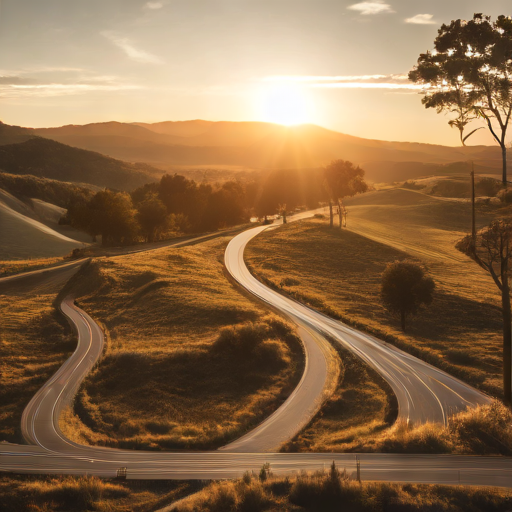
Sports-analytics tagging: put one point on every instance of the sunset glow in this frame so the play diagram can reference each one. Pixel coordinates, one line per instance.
(287, 104)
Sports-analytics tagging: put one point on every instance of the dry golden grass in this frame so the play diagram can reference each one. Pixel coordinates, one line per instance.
(339, 272)
(34, 342)
(10, 267)
(334, 491)
(190, 363)
(76, 494)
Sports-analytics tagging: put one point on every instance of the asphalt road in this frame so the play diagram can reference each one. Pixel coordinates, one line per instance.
(423, 393)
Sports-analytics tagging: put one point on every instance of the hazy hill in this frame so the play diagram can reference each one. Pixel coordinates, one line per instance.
(49, 159)
(258, 145)
(14, 134)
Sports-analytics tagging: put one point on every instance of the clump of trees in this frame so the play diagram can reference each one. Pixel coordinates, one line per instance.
(469, 74)
(406, 287)
(177, 204)
(491, 249)
(342, 179)
(109, 214)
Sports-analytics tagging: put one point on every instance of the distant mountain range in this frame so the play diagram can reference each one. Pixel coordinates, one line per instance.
(207, 144)
(257, 145)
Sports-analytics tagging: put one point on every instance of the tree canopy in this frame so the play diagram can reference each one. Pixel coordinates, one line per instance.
(469, 74)
(405, 288)
(344, 179)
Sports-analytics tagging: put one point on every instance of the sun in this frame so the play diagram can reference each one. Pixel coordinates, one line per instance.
(285, 104)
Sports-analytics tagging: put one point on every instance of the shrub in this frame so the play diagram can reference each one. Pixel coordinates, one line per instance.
(488, 187)
(505, 195)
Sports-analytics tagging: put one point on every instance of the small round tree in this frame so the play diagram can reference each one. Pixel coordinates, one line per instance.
(405, 288)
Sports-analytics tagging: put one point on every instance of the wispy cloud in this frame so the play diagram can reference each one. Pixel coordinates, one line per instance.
(133, 53)
(421, 19)
(390, 81)
(154, 6)
(369, 8)
(23, 86)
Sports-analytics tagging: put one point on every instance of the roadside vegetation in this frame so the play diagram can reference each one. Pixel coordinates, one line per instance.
(335, 490)
(36, 493)
(189, 362)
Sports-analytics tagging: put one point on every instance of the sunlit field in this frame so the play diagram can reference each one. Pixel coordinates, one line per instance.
(189, 363)
(339, 272)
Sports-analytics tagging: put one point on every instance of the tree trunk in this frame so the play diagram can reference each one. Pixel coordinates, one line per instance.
(340, 213)
(504, 158)
(284, 216)
(507, 343)
(402, 319)
(331, 214)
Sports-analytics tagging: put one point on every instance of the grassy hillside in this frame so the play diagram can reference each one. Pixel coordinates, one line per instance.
(23, 237)
(339, 272)
(190, 363)
(59, 193)
(49, 159)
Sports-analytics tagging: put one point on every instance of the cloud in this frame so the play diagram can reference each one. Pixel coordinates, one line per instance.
(368, 8)
(132, 52)
(27, 83)
(421, 19)
(390, 81)
(154, 5)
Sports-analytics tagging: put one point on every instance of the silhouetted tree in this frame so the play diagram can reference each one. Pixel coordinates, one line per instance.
(109, 214)
(469, 74)
(405, 288)
(226, 207)
(152, 217)
(492, 250)
(342, 179)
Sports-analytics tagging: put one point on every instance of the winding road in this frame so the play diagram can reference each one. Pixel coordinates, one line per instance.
(424, 394)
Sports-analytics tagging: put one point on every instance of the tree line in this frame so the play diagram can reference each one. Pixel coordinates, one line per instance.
(177, 204)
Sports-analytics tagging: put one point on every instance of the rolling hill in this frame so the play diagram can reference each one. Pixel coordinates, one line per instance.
(256, 145)
(32, 230)
(46, 158)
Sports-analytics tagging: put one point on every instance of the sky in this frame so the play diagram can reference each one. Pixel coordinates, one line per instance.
(341, 64)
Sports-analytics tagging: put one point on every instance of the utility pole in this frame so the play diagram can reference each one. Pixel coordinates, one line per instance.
(473, 216)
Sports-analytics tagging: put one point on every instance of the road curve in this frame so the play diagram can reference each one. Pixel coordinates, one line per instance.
(56, 455)
(424, 393)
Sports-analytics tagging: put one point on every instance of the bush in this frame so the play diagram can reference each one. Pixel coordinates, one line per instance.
(488, 187)
(485, 429)
(412, 185)
(505, 195)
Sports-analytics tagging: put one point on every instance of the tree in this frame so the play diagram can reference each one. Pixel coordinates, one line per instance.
(152, 216)
(492, 251)
(405, 288)
(109, 214)
(226, 207)
(342, 179)
(469, 74)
